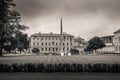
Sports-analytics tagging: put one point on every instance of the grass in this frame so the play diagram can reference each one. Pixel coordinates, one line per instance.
(80, 59)
(55, 63)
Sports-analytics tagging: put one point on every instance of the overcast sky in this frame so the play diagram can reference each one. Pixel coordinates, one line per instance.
(86, 18)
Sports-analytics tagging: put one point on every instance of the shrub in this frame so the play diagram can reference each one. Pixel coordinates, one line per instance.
(17, 67)
(5, 68)
(40, 68)
(35, 50)
(30, 67)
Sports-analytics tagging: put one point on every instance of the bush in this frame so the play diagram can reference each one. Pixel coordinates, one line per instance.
(30, 67)
(35, 50)
(5, 68)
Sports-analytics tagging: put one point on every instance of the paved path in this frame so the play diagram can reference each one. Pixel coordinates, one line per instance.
(59, 76)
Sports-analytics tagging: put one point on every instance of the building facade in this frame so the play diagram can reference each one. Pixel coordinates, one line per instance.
(110, 48)
(51, 43)
(116, 41)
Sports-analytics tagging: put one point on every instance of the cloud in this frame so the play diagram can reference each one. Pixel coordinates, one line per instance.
(44, 7)
(92, 17)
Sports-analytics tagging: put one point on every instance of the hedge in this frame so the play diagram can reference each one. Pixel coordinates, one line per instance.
(48, 68)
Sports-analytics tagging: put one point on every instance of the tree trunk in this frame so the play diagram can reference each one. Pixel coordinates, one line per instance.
(1, 46)
(1, 51)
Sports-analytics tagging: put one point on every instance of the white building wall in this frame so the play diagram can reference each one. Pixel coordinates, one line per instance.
(107, 49)
(117, 42)
(52, 44)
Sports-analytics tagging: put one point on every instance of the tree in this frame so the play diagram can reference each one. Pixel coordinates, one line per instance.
(22, 41)
(74, 51)
(9, 22)
(11, 45)
(94, 44)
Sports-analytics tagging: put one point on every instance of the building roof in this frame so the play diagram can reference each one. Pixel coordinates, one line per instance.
(118, 31)
(107, 36)
(49, 35)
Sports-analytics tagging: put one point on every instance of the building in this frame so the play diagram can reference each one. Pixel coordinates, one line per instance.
(108, 40)
(51, 43)
(116, 41)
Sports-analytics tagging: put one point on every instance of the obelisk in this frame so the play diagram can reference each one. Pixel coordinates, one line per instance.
(61, 33)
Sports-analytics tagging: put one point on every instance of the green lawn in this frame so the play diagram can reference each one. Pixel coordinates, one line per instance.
(62, 59)
(60, 76)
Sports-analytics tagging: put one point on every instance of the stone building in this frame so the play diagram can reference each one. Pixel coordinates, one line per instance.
(51, 43)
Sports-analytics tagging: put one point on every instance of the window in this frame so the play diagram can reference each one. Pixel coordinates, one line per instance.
(67, 44)
(63, 49)
(33, 38)
(46, 49)
(116, 49)
(56, 44)
(49, 44)
(52, 38)
(38, 44)
(110, 40)
(67, 38)
(42, 49)
(42, 44)
(49, 49)
(56, 49)
(46, 44)
(67, 49)
(45, 38)
(53, 49)
(37, 38)
(70, 39)
(56, 38)
(60, 49)
(33, 43)
(64, 38)
(52, 43)
(63, 44)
